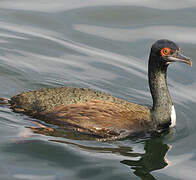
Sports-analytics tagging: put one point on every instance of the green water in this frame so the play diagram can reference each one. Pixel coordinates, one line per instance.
(102, 45)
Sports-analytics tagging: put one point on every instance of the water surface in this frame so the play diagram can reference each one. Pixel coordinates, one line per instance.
(104, 46)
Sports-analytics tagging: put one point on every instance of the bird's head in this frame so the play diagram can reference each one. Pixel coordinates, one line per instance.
(168, 52)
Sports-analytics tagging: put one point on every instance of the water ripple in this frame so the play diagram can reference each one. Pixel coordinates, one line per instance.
(60, 5)
(176, 33)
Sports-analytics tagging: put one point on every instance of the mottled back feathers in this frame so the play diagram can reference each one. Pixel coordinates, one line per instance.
(84, 110)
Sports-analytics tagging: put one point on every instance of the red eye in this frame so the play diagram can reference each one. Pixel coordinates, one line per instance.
(165, 51)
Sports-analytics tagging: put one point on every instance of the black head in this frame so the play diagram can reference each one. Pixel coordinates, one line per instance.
(167, 51)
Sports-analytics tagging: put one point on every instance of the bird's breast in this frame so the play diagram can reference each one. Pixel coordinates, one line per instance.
(173, 117)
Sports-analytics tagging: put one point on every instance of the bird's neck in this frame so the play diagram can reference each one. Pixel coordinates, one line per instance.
(162, 103)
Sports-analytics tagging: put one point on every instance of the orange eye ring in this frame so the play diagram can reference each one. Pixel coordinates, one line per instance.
(165, 51)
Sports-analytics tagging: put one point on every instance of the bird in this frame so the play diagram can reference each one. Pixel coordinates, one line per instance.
(102, 115)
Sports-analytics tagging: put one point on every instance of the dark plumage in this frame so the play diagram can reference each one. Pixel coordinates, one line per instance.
(100, 114)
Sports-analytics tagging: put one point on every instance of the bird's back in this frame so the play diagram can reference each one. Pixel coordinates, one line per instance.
(84, 110)
(47, 98)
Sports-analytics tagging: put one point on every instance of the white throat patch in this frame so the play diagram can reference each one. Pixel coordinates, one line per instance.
(173, 117)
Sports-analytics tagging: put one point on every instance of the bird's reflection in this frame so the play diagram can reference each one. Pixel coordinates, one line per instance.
(154, 157)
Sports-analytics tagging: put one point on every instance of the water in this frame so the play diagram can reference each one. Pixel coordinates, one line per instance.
(102, 45)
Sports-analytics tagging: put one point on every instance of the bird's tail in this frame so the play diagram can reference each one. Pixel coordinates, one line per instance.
(4, 101)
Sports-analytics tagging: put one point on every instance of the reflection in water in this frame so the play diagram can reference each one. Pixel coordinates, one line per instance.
(153, 158)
